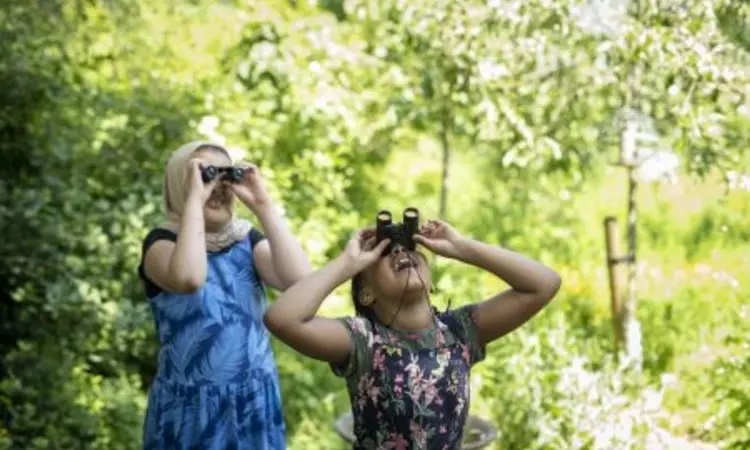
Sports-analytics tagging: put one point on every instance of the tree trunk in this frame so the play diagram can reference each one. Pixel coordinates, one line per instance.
(628, 321)
(445, 147)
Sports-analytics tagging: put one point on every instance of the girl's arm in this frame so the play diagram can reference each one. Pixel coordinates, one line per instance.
(292, 318)
(532, 284)
(280, 258)
(181, 266)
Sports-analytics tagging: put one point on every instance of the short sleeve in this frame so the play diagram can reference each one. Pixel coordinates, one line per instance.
(255, 237)
(155, 235)
(360, 358)
(464, 319)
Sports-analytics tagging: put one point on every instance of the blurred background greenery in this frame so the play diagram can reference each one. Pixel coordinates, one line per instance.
(352, 105)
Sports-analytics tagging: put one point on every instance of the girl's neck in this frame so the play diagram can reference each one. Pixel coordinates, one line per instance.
(411, 317)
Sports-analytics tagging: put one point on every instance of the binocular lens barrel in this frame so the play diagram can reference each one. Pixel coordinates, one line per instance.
(208, 173)
(383, 221)
(385, 218)
(236, 174)
(411, 225)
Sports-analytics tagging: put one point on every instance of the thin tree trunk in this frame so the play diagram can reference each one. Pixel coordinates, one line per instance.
(445, 147)
(628, 321)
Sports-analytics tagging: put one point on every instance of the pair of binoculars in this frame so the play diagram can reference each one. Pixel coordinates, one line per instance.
(233, 174)
(400, 234)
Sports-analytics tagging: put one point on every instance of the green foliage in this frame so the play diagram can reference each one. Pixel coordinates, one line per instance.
(348, 107)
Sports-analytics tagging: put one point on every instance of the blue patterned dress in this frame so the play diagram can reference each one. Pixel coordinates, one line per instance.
(216, 386)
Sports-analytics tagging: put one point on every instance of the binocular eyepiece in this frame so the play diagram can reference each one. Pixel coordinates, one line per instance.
(233, 174)
(400, 234)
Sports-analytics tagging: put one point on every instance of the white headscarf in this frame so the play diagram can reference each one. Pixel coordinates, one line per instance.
(175, 192)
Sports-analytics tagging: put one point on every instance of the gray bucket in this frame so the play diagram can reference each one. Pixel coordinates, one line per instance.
(478, 434)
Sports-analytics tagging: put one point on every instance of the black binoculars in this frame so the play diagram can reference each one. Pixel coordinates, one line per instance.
(400, 234)
(233, 174)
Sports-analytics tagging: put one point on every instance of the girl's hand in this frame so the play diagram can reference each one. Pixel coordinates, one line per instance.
(440, 238)
(361, 251)
(196, 186)
(251, 190)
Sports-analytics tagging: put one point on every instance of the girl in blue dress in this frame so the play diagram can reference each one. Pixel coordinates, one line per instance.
(407, 366)
(205, 272)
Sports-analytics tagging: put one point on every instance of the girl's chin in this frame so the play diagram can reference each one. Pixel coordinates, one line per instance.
(412, 284)
(217, 218)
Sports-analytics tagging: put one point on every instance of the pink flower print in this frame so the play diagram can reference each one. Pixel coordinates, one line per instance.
(443, 429)
(398, 389)
(418, 434)
(379, 359)
(440, 338)
(367, 391)
(430, 394)
(465, 354)
(396, 442)
(415, 387)
(440, 400)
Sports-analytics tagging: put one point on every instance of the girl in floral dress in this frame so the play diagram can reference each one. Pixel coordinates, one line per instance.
(407, 366)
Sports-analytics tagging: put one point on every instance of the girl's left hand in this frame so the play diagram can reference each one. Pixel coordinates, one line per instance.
(440, 238)
(251, 190)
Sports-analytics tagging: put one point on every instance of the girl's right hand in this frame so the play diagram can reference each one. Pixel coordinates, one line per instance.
(362, 251)
(196, 185)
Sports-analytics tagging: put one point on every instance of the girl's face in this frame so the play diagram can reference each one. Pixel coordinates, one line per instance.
(400, 275)
(219, 208)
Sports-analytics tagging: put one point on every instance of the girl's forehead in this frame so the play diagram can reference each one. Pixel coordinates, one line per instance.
(213, 156)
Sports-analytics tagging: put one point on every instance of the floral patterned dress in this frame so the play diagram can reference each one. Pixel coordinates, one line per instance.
(410, 390)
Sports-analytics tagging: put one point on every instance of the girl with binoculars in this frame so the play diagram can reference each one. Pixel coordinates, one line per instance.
(205, 273)
(406, 365)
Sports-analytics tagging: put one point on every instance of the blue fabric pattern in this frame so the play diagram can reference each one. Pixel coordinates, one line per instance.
(216, 386)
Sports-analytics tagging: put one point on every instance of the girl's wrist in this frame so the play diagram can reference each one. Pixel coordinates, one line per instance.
(463, 249)
(346, 266)
(263, 211)
(194, 202)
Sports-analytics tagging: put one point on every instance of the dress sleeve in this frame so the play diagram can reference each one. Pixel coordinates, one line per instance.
(360, 358)
(256, 236)
(464, 319)
(151, 238)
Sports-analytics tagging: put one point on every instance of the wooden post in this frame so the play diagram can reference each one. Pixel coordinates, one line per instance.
(615, 279)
